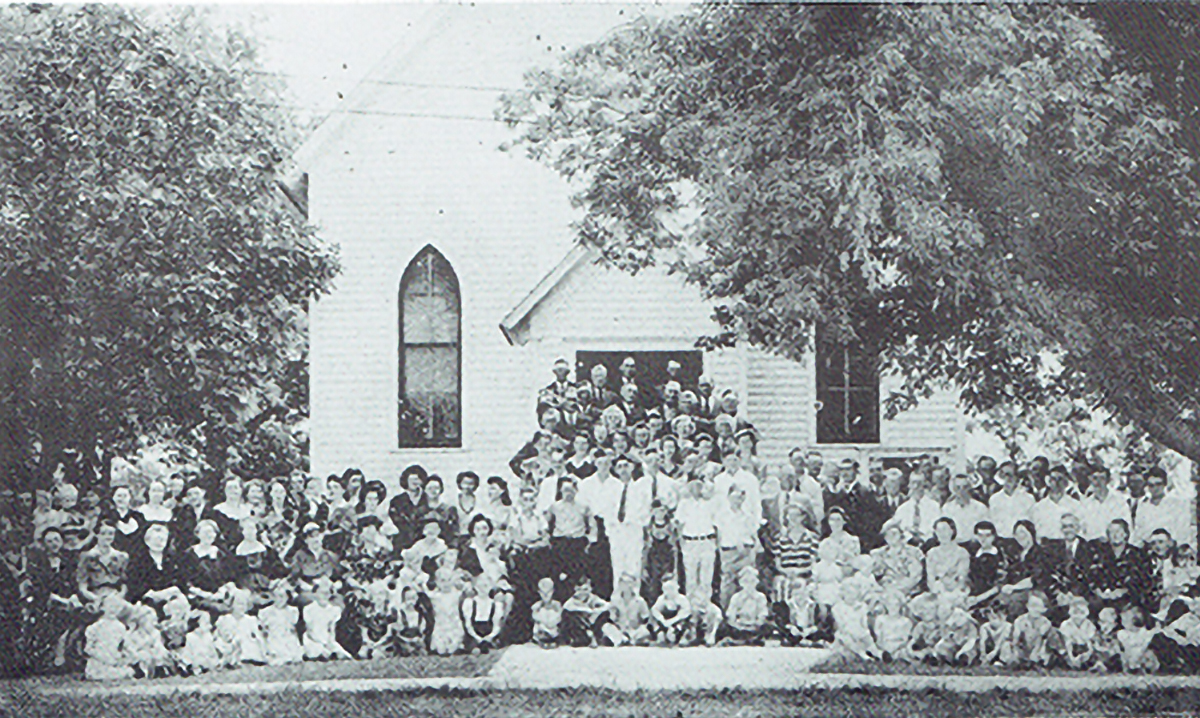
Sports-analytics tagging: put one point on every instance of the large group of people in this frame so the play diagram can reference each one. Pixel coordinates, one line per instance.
(635, 515)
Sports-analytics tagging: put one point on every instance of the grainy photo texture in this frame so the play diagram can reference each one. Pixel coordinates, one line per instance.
(596, 359)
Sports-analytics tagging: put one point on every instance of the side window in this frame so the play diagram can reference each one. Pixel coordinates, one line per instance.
(430, 356)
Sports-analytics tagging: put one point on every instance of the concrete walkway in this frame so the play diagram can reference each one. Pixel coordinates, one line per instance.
(624, 669)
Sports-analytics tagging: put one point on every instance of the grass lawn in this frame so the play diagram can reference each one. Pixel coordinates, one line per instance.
(413, 667)
(853, 664)
(596, 703)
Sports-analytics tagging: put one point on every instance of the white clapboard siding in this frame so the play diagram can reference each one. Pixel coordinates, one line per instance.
(779, 403)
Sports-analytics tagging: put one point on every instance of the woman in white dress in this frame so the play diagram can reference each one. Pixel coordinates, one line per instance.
(835, 556)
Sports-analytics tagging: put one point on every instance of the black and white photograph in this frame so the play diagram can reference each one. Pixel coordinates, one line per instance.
(594, 359)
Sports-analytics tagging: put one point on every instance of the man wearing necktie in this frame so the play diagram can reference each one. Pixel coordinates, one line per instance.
(626, 535)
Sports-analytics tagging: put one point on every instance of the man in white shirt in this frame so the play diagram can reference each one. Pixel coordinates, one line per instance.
(1102, 506)
(696, 518)
(661, 487)
(601, 492)
(737, 538)
(626, 532)
(1011, 503)
(806, 483)
(963, 509)
(733, 474)
(1162, 509)
(1048, 513)
(918, 514)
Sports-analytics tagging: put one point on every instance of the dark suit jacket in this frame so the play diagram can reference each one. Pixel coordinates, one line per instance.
(1069, 572)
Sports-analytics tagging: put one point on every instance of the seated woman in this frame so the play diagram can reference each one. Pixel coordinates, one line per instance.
(1120, 574)
(312, 562)
(54, 606)
(898, 566)
(102, 569)
(204, 567)
(230, 513)
(946, 567)
(1028, 570)
(253, 565)
(129, 523)
(835, 556)
(152, 573)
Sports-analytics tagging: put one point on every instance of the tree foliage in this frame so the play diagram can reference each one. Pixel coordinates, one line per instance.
(153, 282)
(971, 188)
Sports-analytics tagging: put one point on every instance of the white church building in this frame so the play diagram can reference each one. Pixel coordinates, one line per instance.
(462, 281)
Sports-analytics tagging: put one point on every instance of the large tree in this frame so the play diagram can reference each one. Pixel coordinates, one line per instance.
(971, 189)
(153, 278)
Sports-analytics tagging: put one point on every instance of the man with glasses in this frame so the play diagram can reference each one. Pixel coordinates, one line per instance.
(1162, 509)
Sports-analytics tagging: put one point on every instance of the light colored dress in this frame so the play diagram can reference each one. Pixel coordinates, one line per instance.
(448, 631)
(145, 649)
(105, 647)
(246, 635)
(319, 622)
(279, 634)
(828, 573)
(200, 651)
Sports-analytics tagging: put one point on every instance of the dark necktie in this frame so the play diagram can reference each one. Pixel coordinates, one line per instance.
(621, 508)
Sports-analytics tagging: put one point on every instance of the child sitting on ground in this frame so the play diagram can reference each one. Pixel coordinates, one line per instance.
(278, 622)
(1035, 641)
(1107, 643)
(995, 637)
(746, 619)
(174, 626)
(320, 617)
(199, 654)
(547, 615)
(670, 614)
(893, 630)
(796, 610)
(407, 635)
(375, 620)
(446, 601)
(144, 644)
(707, 619)
(242, 629)
(851, 610)
(104, 642)
(959, 636)
(926, 630)
(1078, 635)
(1134, 637)
(629, 614)
(481, 615)
(584, 616)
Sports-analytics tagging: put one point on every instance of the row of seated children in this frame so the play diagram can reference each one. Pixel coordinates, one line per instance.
(586, 619)
(953, 637)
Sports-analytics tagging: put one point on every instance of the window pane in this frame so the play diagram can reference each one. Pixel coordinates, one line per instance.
(831, 418)
(430, 319)
(863, 417)
(429, 411)
(430, 370)
(862, 367)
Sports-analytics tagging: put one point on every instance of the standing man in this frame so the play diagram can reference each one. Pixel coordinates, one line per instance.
(1162, 509)
(696, 518)
(965, 510)
(626, 532)
(1102, 506)
(555, 394)
(604, 396)
(737, 537)
(1011, 503)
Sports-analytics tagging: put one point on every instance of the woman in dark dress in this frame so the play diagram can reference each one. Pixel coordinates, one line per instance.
(57, 613)
(129, 523)
(253, 564)
(204, 566)
(406, 509)
(152, 572)
(1029, 569)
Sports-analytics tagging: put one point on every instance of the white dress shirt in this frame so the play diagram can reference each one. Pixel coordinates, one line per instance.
(919, 516)
(747, 481)
(1007, 509)
(1173, 514)
(1097, 515)
(736, 529)
(965, 517)
(696, 517)
(602, 495)
(1048, 513)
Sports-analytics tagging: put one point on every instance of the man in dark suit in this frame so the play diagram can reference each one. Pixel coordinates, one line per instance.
(1070, 559)
(875, 508)
(554, 395)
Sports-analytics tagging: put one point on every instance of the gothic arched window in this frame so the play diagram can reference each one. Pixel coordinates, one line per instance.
(430, 362)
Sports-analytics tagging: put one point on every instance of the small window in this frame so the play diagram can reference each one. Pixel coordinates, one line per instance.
(847, 392)
(430, 361)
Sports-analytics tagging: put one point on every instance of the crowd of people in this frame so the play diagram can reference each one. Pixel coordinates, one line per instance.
(635, 515)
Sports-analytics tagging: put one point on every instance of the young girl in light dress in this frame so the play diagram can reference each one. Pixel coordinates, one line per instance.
(104, 642)
(200, 654)
(855, 594)
(446, 597)
(144, 644)
(320, 618)
(278, 622)
(893, 629)
(1136, 656)
(241, 630)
